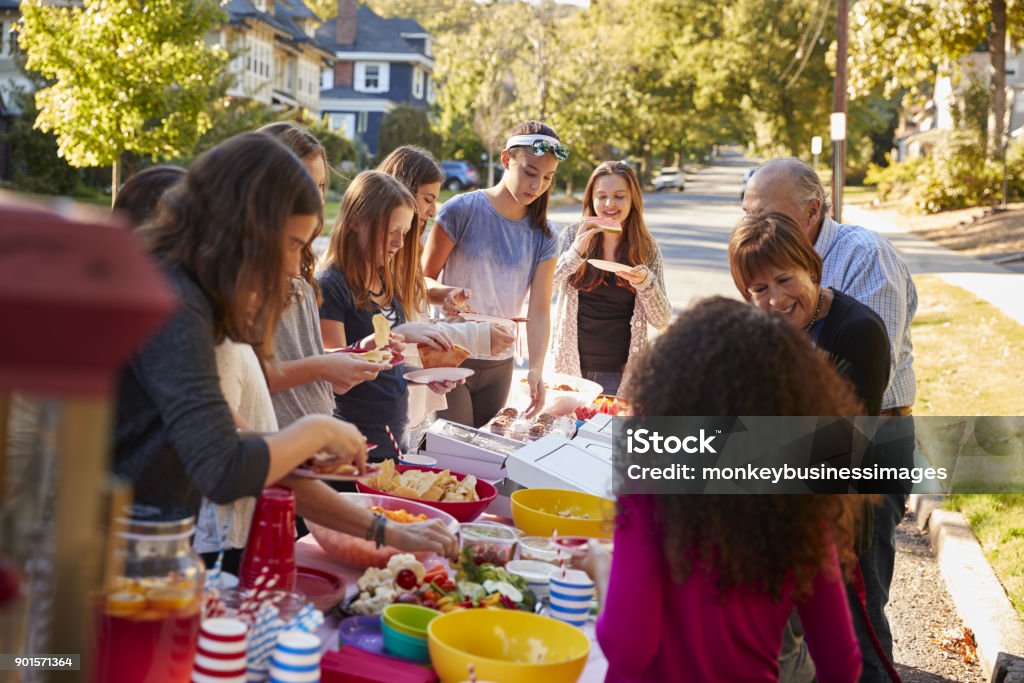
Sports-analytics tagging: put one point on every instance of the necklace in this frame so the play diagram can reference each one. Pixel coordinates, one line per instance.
(380, 281)
(817, 310)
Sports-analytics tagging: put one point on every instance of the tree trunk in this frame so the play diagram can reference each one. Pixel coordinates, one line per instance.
(997, 81)
(115, 179)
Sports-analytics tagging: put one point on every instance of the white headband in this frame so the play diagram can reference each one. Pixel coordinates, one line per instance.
(521, 140)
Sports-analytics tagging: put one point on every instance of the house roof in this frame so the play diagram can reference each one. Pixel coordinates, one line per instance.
(10, 4)
(373, 34)
(287, 14)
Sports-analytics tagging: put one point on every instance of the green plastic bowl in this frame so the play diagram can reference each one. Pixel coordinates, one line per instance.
(409, 619)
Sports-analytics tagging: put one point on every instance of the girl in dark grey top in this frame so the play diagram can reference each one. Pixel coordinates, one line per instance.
(229, 236)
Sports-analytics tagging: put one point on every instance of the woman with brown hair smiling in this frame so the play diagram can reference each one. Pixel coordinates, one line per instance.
(775, 267)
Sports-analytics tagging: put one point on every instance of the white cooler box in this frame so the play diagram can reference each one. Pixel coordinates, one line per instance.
(555, 462)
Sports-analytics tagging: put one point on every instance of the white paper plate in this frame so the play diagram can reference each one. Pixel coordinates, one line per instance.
(428, 375)
(484, 318)
(610, 266)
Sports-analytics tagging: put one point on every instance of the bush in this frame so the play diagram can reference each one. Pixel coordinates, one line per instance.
(35, 166)
(406, 125)
(894, 181)
(957, 175)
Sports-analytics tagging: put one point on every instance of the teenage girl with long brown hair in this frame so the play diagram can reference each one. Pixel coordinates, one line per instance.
(601, 317)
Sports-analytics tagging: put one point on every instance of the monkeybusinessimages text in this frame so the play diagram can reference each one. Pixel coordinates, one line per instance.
(645, 441)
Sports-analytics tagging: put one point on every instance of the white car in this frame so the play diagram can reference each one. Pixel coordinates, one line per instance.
(669, 178)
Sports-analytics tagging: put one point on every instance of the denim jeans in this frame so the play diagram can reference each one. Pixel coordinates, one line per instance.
(877, 561)
(609, 380)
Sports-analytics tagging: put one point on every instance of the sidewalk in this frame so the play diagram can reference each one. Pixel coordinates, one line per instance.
(977, 593)
(997, 285)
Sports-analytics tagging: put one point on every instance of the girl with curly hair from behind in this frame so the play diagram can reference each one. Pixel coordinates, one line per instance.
(702, 587)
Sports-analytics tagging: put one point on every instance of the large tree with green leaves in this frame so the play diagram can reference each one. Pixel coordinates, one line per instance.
(903, 44)
(124, 76)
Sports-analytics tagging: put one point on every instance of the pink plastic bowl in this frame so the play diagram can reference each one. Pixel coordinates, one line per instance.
(463, 512)
(360, 553)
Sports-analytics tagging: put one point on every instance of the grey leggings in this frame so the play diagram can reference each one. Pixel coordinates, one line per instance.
(482, 396)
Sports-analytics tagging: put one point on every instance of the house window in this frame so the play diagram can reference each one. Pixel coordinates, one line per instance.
(361, 122)
(431, 95)
(8, 39)
(371, 76)
(1012, 66)
(417, 83)
(344, 124)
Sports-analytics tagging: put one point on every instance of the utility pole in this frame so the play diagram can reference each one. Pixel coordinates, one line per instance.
(838, 120)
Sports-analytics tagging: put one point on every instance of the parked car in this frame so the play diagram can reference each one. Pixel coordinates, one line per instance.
(459, 175)
(746, 179)
(669, 178)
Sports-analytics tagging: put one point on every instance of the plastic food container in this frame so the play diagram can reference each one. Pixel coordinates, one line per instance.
(539, 548)
(491, 543)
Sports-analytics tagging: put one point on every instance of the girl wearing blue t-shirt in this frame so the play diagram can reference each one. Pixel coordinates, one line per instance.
(360, 275)
(498, 244)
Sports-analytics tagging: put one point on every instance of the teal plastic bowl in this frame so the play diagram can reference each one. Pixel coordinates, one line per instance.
(410, 620)
(404, 646)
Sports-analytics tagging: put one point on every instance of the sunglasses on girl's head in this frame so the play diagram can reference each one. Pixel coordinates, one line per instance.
(542, 147)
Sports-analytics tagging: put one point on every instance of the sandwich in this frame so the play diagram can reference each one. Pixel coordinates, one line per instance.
(436, 358)
(327, 463)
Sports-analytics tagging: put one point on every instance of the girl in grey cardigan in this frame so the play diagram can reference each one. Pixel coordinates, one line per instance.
(601, 317)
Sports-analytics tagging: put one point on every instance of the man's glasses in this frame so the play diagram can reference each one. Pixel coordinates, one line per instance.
(542, 147)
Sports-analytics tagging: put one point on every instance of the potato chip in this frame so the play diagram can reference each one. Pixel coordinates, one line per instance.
(423, 484)
(381, 331)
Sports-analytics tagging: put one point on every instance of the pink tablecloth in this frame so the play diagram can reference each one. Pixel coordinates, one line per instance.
(309, 554)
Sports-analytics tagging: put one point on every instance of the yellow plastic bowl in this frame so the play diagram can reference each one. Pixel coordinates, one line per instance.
(506, 645)
(535, 511)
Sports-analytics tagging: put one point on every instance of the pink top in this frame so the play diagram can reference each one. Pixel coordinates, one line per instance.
(652, 629)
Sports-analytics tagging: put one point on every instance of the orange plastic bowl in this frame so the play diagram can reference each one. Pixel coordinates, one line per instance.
(462, 511)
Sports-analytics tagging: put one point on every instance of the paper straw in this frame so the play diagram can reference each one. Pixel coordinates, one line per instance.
(309, 619)
(472, 673)
(393, 441)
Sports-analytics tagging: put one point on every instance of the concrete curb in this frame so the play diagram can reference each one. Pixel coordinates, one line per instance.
(976, 592)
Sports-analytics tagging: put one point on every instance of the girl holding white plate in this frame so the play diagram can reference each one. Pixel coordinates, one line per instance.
(610, 282)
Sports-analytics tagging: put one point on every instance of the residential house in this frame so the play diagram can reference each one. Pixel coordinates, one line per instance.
(379, 64)
(276, 57)
(924, 127)
(278, 60)
(12, 78)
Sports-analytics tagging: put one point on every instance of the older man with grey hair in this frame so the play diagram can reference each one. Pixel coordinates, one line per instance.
(864, 265)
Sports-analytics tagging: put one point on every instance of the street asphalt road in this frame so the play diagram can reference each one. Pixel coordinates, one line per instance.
(692, 227)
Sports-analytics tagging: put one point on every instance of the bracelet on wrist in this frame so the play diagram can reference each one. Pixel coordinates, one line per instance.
(379, 540)
(371, 532)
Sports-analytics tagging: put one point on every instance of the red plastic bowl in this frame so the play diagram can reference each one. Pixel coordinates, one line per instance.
(462, 511)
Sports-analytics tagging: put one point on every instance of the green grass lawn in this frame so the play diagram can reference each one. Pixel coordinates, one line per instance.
(969, 360)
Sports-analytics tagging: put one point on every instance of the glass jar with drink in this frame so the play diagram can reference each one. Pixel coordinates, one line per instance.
(147, 618)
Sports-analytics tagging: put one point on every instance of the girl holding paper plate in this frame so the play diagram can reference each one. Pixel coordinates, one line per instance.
(499, 244)
(370, 281)
(610, 282)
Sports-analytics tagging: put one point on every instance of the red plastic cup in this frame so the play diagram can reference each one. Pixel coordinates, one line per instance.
(271, 543)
